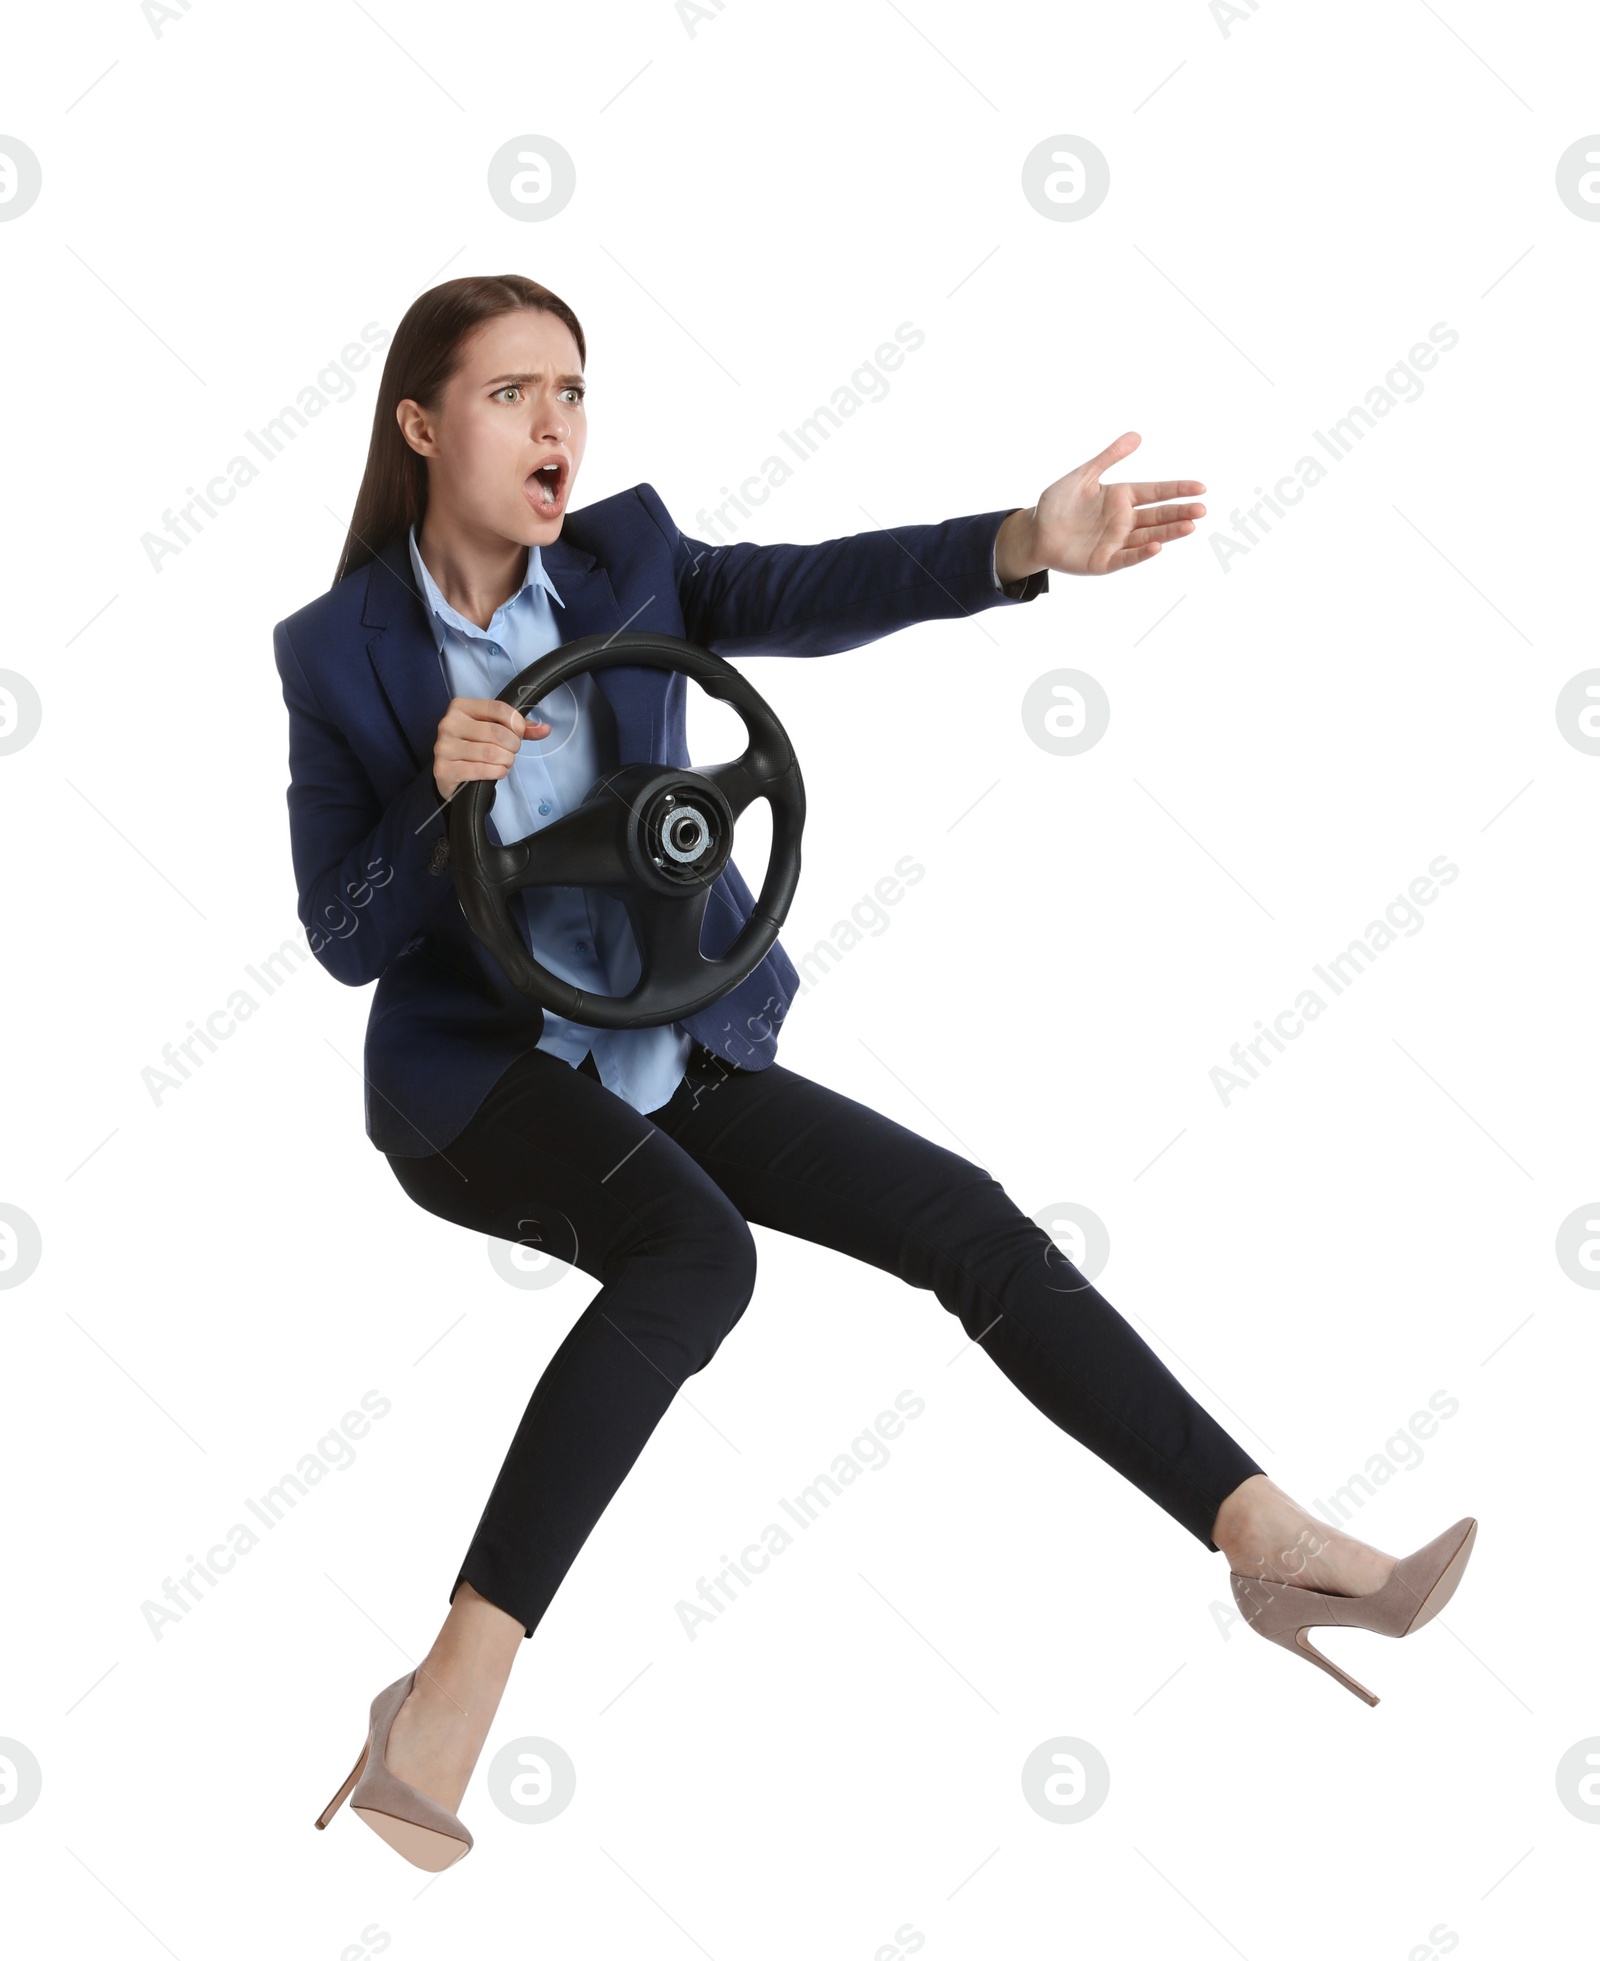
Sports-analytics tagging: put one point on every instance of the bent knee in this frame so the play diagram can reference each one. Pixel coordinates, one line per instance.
(728, 1247)
(722, 1279)
(706, 1254)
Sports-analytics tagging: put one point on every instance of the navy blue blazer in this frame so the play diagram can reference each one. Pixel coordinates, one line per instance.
(365, 692)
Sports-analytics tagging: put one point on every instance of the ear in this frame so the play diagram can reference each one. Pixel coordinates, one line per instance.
(416, 427)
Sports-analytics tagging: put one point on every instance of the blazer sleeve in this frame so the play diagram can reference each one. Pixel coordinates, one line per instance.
(365, 871)
(821, 599)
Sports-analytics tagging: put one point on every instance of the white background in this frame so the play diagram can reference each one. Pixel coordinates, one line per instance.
(833, 1767)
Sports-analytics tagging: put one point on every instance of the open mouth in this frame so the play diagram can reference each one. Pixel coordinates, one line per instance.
(546, 487)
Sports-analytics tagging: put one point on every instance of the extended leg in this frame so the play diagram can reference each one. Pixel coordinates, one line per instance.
(803, 1159)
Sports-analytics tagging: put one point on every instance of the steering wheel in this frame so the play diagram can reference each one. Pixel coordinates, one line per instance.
(655, 835)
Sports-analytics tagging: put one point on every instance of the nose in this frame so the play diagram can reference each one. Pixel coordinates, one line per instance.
(548, 419)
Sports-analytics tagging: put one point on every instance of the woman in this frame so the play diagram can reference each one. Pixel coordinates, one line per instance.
(645, 1155)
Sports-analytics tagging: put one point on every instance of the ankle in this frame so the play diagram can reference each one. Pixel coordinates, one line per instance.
(1258, 1525)
(430, 1734)
(441, 1696)
(1280, 1549)
(1264, 1532)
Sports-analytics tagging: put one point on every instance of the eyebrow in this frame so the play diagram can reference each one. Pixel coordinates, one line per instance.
(566, 380)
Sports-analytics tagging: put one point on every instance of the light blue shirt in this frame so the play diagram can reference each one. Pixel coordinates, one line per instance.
(578, 932)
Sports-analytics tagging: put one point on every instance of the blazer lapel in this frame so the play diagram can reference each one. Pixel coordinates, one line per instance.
(406, 661)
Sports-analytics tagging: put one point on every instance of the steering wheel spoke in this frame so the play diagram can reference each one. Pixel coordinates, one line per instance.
(743, 780)
(667, 928)
(586, 847)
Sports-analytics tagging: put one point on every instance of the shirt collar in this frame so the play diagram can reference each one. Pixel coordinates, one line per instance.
(444, 614)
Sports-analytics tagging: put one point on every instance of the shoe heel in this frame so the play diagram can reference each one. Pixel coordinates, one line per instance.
(343, 1791)
(1302, 1642)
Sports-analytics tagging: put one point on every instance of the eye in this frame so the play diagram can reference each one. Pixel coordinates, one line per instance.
(511, 388)
(575, 390)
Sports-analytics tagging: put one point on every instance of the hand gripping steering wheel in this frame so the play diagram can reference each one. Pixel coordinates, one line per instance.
(655, 835)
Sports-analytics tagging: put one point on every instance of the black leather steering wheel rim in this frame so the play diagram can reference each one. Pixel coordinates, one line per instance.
(655, 834)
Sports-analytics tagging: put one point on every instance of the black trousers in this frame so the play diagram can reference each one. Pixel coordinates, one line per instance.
(659, 1207)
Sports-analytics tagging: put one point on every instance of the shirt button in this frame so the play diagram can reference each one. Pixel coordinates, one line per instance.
(544, 810)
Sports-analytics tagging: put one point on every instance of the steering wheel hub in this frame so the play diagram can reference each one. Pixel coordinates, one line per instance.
(688, 830)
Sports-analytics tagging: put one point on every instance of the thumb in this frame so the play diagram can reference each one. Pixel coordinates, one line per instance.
(1124, 445)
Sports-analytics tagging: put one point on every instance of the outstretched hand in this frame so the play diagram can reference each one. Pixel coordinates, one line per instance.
(1083, 525)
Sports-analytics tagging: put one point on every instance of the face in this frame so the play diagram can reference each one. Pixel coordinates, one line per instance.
(507, 436)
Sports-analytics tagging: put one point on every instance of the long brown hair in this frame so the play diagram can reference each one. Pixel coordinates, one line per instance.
(422, 357)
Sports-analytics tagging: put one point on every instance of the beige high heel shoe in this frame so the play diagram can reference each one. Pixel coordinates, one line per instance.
(1419, 1586)
(418, 1827)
